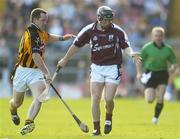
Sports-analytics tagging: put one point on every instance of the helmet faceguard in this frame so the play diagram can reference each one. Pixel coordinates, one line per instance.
(105, 12)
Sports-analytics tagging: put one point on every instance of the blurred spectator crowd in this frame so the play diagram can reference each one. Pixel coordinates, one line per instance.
(136, 17)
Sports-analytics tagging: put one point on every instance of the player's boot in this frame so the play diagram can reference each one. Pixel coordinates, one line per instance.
(15, 118)
(155, 120)
(96, 132)
(107, 126)
(28, 127)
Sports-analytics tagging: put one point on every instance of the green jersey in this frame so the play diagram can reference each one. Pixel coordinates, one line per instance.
(155, 58)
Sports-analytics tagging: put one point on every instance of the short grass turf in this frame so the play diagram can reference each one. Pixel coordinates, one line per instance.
(131, 120)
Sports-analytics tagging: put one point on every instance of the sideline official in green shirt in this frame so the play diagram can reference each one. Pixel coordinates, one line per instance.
(156, 55)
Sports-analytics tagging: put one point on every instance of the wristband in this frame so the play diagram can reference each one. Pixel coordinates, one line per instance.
(61, 38)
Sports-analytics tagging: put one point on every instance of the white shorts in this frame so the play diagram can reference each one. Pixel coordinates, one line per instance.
(105, 74)
(26, 76)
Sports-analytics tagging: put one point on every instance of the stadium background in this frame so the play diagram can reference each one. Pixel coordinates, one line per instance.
(136, 17)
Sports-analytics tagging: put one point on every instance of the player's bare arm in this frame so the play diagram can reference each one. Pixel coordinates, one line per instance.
(135, 55)
(53, 37)
(139, 69)
(72, 50)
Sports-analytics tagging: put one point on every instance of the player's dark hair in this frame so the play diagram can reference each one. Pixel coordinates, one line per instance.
(36, 13)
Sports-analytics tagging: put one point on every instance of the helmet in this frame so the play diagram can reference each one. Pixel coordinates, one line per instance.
(105, 12)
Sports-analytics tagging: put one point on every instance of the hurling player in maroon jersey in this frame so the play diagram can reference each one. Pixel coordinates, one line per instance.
(107, 40)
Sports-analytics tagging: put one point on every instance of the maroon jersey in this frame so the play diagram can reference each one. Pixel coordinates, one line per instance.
(105, 45)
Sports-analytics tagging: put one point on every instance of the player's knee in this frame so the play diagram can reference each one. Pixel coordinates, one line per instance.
(150, 100)
(160, 100)
(96, 99)
(108, 100)
(37, 102)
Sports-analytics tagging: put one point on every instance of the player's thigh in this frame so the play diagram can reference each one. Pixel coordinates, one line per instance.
(149, 94)
(110, 91)
(37, 88)
(96, 89)
(160, 92)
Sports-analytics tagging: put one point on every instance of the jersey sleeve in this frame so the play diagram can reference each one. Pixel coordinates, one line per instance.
(34, 41)
(124, 43)
(82, 38)
(46, 37)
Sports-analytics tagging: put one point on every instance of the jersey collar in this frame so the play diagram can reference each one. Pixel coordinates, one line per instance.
(34, 25)
(162, 45)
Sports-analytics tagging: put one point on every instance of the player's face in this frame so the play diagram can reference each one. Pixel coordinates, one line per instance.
(105, 23)
(42, 21)
(157, 37)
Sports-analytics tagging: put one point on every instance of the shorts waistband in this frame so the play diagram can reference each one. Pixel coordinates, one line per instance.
(28, 67)
(20, 66)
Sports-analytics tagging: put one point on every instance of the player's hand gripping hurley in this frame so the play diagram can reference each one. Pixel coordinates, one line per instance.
(44, 96)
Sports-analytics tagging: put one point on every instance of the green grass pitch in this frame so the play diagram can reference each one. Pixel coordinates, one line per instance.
(131, 120)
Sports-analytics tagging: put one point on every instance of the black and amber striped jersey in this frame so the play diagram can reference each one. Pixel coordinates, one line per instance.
(32, 41)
